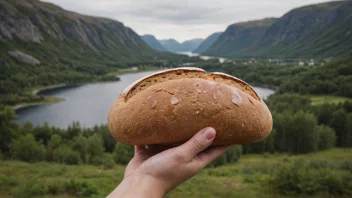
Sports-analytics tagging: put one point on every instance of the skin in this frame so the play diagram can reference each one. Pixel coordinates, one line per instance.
(155, 171)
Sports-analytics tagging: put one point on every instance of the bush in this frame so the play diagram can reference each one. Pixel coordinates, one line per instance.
(72, 158)
(30, 189)
(78, 188)
(106, 160)
(305, 177)
(54, 188)
(27, 149)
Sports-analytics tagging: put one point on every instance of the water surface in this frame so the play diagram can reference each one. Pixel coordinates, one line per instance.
(89, 104)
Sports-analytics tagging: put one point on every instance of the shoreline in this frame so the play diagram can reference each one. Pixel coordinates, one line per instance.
(53, 99)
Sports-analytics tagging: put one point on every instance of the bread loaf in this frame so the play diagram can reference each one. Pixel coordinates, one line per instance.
(170, 106)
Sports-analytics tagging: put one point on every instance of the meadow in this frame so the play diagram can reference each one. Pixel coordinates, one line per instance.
(252, 176)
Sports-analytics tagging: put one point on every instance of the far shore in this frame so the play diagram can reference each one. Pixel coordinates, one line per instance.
(52, 99)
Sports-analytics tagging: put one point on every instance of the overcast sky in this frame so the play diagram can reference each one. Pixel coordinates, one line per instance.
(181, 19)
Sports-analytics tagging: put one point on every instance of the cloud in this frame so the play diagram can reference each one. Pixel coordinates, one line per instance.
(182, 19)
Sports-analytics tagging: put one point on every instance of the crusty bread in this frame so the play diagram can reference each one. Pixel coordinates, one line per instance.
(170, 106)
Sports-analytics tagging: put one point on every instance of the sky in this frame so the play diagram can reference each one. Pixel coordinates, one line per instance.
(181, 19)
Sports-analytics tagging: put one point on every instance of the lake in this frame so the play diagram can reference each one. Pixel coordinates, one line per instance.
(89, 104)
(191, 54)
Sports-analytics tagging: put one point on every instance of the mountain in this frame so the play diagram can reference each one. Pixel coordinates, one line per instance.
(239, 36)
(208, 42)
(191, 45)
(43, 44)
(320, 30)
(171, 45)
(174, 46)
(153, 42)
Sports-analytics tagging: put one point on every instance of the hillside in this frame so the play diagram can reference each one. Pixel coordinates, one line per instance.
(239, 36)
(334, 78)
(208, 42)
(320, 30)
(153, 43)
(42, 44)
(186, 46)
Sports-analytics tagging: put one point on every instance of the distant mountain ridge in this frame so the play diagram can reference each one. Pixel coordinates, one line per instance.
(319, 30)
(153, 43)
(239, 36)
(208, 42)
(174, 46)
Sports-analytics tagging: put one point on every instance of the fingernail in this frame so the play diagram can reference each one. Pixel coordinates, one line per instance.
(209, 133)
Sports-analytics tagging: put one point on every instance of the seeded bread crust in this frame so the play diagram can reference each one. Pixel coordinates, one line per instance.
(169, 107)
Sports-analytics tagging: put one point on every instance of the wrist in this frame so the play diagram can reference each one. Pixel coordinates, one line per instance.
(141, 186)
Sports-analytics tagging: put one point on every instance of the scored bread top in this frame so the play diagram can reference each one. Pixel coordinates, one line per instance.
(188, 72)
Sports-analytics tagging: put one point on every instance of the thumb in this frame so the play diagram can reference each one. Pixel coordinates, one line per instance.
(199, 142)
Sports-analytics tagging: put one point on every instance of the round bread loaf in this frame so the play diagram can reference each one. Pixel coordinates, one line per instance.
(170, 106)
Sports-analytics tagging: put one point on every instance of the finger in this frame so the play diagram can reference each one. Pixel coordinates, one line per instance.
(204, 158)
(196, 144)
(138, 148)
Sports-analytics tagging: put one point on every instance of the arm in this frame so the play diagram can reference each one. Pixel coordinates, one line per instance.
(157, 170)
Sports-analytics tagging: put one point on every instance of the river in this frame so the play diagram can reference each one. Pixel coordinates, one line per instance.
(191, 54)
(89, 104)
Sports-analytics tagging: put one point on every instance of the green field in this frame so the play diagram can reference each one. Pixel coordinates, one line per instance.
(320, 99)
(242, 179)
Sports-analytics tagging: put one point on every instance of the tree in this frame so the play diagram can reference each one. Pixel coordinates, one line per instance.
(27, 149)
(324, 112)
(337, 122)
(95, 146)
(327, 137)
(123, 153)
(8, 129)
(347, 136)
(73, 130)
(296, 133)
(43, 133)
(234, 154)
(88, 147)
(64, 154)
(53, 144)
(81, 145)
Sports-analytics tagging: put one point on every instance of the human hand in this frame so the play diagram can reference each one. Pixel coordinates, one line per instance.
(155, 171)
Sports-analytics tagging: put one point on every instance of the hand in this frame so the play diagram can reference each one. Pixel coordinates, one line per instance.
(154, 171)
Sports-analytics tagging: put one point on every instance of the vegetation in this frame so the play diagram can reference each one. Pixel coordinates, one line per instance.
(322, 174)
(334, 78)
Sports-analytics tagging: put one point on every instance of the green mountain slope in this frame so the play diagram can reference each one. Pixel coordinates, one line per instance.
(208, 42)
(42, 44)
(320, 30)
(239, 37)
(153, 43)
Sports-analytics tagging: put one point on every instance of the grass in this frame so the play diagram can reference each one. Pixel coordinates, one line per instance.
(320, 99)
(241, 179)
